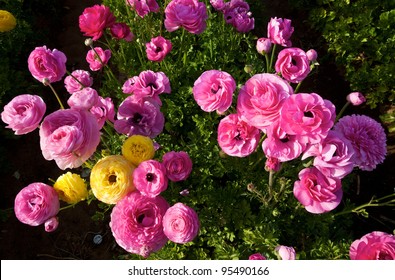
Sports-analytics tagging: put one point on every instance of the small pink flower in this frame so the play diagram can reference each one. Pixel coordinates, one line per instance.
(375, 245)
(83, 77)
(51, 224)
(94, 20)
(293, 64)
(312, 55)
(272, 164)
(236, 137)
(121, 31)
(24, 113)
(149, 178)
(256, 256)
(238, 14)
(158, 48)
(83, 99)
(143, 7)
(103, 110)
(263, 45)
(181, 223)
(213, 90)
(36, 203)
(178, 165)
(279, 31)
(98, 59)
(218, 5)
(285, 252)
(356, 98)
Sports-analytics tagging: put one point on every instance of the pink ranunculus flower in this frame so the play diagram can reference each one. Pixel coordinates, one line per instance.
(356, 98)
(263, 45)
(238, 14)
(181, 223)
(376, 245)
(83, 99)
(367, 137)
(24, 113)
(178, 165)
(51, 224)
(256, 256)
(332, 156)
(94, 20)
(120, 31)
(143, 7)
(312, 55)
(84, 80)
(189, 14)
(99, 60)
(46, 64)
(69, 137)
(158, 48)
(236, 137)
(104, 111)
(272, 164)
(150, 178)
(317, 192)
(307, 116)
(36, 203)
(213, 90)
(279, 31)
(285, 252)
(218, 5)
(293, 64)
(129, 85)
(261, 98)
(136, 223)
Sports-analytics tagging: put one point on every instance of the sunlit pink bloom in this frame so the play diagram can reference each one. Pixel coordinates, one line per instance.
(83, 99)
(158, 48)
(263, 45)
(367, 137)
(213, 90)
(36, 203)
(136, 223)
(104, 111)
(99, 60)
(129, 85)
(189, 14)
(121, 31)
(218, 5)
(69, 137)
(178, 165)
(181, 223)
(261, 98)
(236, 137)
(238, 14)
(312, 55)
(143, 7)
(24, 113)
(94, 20)
(83, 77)
(317, 192)
(375, 245)
(356, 98)
(51, 224)
(149, 178)
(46, 64)
(293, 64)
(307, 116)
(279, 31)
(285, 252)
(272, 164)
(257, 256)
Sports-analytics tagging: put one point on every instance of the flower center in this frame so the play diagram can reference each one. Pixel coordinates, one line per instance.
(137, 118)
(112, 178)
(140, 218)
(285, 139)
(158, 49)
(150, 177)
(308, 114)
(215, 88)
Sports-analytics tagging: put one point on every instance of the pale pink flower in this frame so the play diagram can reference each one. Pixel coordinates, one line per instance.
(213, 90)
(136, 223)
(356, 98)
(261, 98)
(317, 192)
(293, 64)
(178, 165)
(121, 31)
(158, 48)
(83, 77)
(285, 252)
(24, 113)
(263, 45)
(83, 99)
(98, 58)
(279, 31)
(367, 137)
(36, 203)
(312, 55)
(149, 177)
(143, 7)
(51, 224)
(375, 245)
(104, 111)
(94, 20)
(181, 223)
(236, 137)
(256, 256)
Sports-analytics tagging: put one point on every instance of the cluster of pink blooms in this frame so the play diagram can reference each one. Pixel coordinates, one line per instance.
(236, 13)
(283, 252)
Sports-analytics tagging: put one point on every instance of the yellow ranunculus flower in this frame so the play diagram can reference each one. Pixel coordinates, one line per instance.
(112, 178)
(138, 148)
(71, 188)
(7, 21)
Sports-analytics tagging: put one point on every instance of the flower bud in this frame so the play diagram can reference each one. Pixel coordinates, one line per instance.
(311, 55)
(263, 45)
(356, 98)
(248, 69)
(89, 42)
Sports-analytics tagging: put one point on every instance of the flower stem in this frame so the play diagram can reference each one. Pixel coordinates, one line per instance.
(272, 58)
(297, 87)
(78, 81)
(342, 111)
(54, 92)
(68, 206)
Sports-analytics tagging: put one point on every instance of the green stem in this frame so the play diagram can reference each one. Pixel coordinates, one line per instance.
(68, 206)
(297, 87)
(56, 95)
(78, 81)
(272, 58)
(342, 111)
(267, 62)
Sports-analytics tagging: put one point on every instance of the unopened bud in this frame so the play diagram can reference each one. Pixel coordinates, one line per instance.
(248, 69)
(89, 42)
(46, 81)
(251, 187)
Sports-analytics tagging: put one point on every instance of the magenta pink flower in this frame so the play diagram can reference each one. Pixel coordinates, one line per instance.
(263, 45)
(181, 223)
(94, 20)
(178, 165)
(368, 139)
(141, 117)
(285, 252)
(129, 85)
(272, 164)
(136, 223)
(317, 192)
(51, 224)
(218, 5)
(356, 98)
(24, 113)
(104, 111)
(158, 48)
(149, 178)
(236, 137)
(46, 64)
(189, 14)
(121, 31)
(256, 256)
(307, 116)
(293, 64)
(279, 31)
(143, 7)
(311, 55)
(213, 90)
(237, 13)
(36, 203)
(98, 58)
(83, 99)
(261, 98)
(69, 137)
(83, 77)
(332, 156)
(375, 245)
